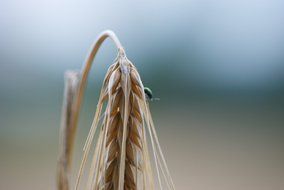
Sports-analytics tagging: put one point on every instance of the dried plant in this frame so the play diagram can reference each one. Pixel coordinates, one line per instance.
(121, 159)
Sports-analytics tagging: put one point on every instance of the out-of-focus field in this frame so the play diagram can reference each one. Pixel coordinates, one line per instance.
(207, 148)
(217, 67)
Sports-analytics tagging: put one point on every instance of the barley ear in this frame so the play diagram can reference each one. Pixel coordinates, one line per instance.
(122, 122)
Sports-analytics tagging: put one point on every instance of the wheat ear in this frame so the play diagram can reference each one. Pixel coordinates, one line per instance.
(121, 160)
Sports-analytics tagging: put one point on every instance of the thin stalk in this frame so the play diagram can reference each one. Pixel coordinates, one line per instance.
(74, 110)
(85, 71)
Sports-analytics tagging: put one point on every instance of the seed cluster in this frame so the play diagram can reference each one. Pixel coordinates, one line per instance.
(122, 89)
(122, 121)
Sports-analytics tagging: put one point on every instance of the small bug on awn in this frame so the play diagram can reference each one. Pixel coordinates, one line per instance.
(149, 94)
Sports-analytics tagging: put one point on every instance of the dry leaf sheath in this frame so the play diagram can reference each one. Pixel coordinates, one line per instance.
(121, 159)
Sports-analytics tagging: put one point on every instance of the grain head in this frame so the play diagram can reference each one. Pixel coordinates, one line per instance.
(123, 123)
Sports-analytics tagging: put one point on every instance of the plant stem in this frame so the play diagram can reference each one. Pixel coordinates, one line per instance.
(79, 92)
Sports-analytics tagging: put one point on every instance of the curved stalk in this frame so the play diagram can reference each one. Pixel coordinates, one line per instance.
(86, 69)
(70, 127)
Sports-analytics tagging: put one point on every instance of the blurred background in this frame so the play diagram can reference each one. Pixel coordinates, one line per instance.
(217, 67)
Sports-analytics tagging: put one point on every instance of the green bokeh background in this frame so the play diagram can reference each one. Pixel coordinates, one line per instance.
(217, 68)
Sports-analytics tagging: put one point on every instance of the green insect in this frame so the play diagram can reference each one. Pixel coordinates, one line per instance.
(149, 94)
